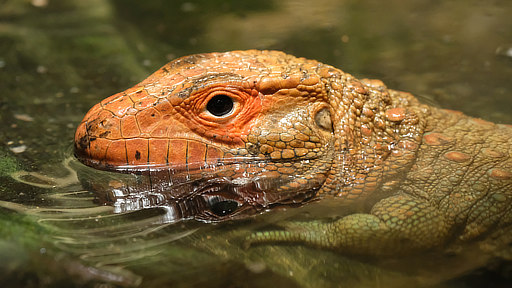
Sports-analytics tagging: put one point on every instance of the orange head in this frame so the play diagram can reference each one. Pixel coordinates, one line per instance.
(259, 117)
(206, 109)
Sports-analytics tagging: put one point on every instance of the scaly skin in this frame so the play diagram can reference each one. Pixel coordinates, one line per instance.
(419, 177)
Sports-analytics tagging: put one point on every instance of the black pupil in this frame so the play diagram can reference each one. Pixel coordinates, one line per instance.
(224, 208)
(220, 105)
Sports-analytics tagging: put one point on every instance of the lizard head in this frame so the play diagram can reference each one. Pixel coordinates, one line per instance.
(262, 121)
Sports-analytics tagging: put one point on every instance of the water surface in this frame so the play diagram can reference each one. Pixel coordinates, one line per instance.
(58, 58)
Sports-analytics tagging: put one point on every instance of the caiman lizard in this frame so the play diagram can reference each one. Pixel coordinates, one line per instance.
(287, 130)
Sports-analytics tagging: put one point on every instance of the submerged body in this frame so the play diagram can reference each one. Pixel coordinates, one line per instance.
(263, 128)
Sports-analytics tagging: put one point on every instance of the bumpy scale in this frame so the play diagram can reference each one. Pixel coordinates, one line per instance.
(421, 176)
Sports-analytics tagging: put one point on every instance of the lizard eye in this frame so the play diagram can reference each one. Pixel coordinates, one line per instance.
(223, 207)
(220, 105)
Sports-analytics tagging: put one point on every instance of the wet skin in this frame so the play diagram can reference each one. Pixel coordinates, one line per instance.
(256, 129)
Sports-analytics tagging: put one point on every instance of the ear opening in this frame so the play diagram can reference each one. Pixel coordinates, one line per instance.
(323, 119)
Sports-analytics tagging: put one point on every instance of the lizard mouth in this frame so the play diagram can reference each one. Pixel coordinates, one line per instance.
(193, 179)
(154, 156)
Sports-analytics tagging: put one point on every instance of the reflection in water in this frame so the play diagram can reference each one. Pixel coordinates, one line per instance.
(213, 200)
(202, 195)
(119, 232)
(103, 239)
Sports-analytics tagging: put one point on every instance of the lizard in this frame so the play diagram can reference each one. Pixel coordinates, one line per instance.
(284, 130)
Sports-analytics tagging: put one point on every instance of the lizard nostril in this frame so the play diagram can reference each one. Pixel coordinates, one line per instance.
(323, 119)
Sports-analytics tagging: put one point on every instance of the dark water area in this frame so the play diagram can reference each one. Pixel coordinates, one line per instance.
(59, 57)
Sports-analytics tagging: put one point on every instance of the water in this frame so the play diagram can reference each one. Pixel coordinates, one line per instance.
(58, 58)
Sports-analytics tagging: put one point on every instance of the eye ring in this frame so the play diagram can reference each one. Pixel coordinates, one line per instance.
(220, 105)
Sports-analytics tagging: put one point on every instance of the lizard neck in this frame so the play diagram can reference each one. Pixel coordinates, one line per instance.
(377, 134)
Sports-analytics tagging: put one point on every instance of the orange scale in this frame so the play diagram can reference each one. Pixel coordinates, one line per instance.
(175, 100)
(98, 148)
(161, 129)
(133, 90)
(103, 115)
(136, 94)
(155, 89)
(144, 102)
(158, 149)
(119, 106)
(456, 156)
(116, 153)
(196, 153)
(113, 126)
(499, 174)
(164, 107)
(148, 119)
(434, 139)
(137, 151)
(177, 153)
(173, 80)
(129, 127)
(395, 114)
(196, 71)
(213, 155)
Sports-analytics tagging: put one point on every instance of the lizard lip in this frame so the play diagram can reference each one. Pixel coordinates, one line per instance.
(102, 141)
